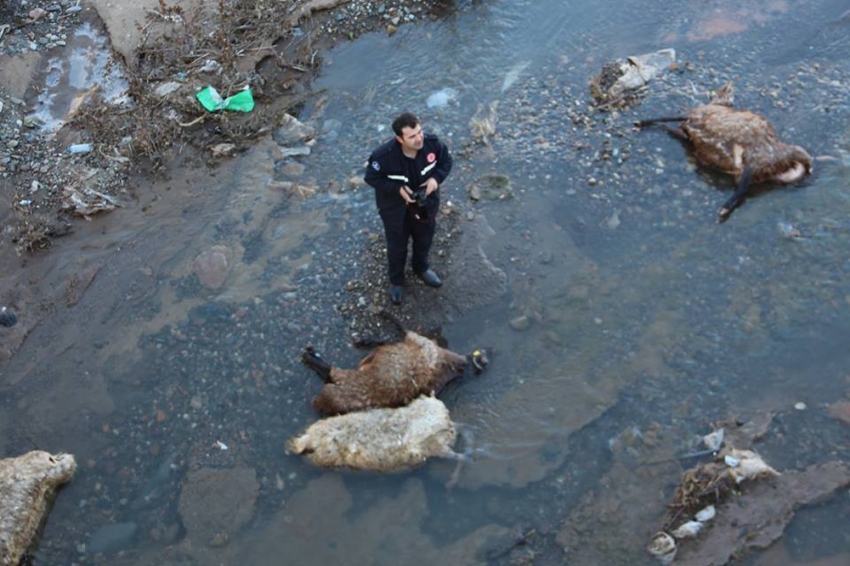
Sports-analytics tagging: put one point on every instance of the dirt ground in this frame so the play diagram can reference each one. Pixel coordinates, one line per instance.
(167, 51)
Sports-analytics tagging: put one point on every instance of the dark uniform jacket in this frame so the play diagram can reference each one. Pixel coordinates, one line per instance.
(389, 169)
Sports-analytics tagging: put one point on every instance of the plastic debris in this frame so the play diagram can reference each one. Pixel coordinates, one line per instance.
(211, 66)
(663, 547)
(87, 202)
(223, 149)
(221, 445)
(714, 440)
(79, 148)
(688, 530)
(210, 99)
(706, 514)
(619, 78)
(165, 89)
(747, 465)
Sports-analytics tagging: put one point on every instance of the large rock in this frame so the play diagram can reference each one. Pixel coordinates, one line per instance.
(212, 267)
(27, 485)
(214, 504)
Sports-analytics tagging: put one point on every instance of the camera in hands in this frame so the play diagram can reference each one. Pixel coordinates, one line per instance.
(419, 197)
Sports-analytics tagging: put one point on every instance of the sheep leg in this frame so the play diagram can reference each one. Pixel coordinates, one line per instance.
(461, 458)
(468, 438)
(317, 363)
(677, 133)
(654, 121)
(737, 198)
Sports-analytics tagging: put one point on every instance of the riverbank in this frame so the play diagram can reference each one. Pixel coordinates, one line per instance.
(70, 153)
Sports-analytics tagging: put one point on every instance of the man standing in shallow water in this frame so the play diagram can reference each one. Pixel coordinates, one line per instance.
(406, 173)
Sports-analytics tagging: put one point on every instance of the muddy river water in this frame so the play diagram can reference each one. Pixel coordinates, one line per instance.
(632, 321)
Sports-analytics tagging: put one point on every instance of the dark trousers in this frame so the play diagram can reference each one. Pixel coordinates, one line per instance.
(398, 233)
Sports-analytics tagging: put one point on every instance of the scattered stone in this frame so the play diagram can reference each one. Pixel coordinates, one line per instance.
(840, 411)
(292, 131)
(36, 14)
(212, 267)
(491, 187)
(7, 318)
(520, 323)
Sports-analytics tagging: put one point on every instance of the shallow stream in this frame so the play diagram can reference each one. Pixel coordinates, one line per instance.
(633, 320)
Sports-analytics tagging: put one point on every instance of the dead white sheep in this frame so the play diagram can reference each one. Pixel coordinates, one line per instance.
(383, 439)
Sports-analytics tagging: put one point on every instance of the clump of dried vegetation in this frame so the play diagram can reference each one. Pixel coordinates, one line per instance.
(707, 484)
(231, 46)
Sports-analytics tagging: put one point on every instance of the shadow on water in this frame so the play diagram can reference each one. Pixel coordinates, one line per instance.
(633, 320)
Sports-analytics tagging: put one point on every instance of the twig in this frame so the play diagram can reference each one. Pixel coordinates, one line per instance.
(680, 457)
(193, 122)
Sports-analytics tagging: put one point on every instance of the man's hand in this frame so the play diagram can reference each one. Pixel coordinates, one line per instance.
(430, 185)
(406, 194)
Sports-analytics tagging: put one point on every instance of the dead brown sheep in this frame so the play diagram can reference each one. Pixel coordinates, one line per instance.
(737, 142)
(392, 375)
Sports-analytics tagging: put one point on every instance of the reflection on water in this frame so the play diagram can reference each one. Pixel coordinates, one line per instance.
(634, 321)
(86, 64)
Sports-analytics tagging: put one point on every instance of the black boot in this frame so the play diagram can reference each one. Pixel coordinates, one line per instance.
(396, 294)
(430, 278)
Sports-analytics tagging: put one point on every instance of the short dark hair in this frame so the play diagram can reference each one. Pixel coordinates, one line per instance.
(405, 120)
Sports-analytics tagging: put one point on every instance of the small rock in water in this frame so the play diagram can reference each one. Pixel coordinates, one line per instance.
(520, 323)
(7, 318)
(789, 231)
(441, 98)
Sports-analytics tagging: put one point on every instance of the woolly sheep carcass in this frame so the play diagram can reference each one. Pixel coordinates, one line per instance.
(392, 375)
(383, 439)
(738, 142)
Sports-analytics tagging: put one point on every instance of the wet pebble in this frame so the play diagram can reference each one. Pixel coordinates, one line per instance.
(520, 323)
(7, 318)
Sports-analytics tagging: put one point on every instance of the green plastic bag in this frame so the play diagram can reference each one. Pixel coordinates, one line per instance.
(240, 102)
